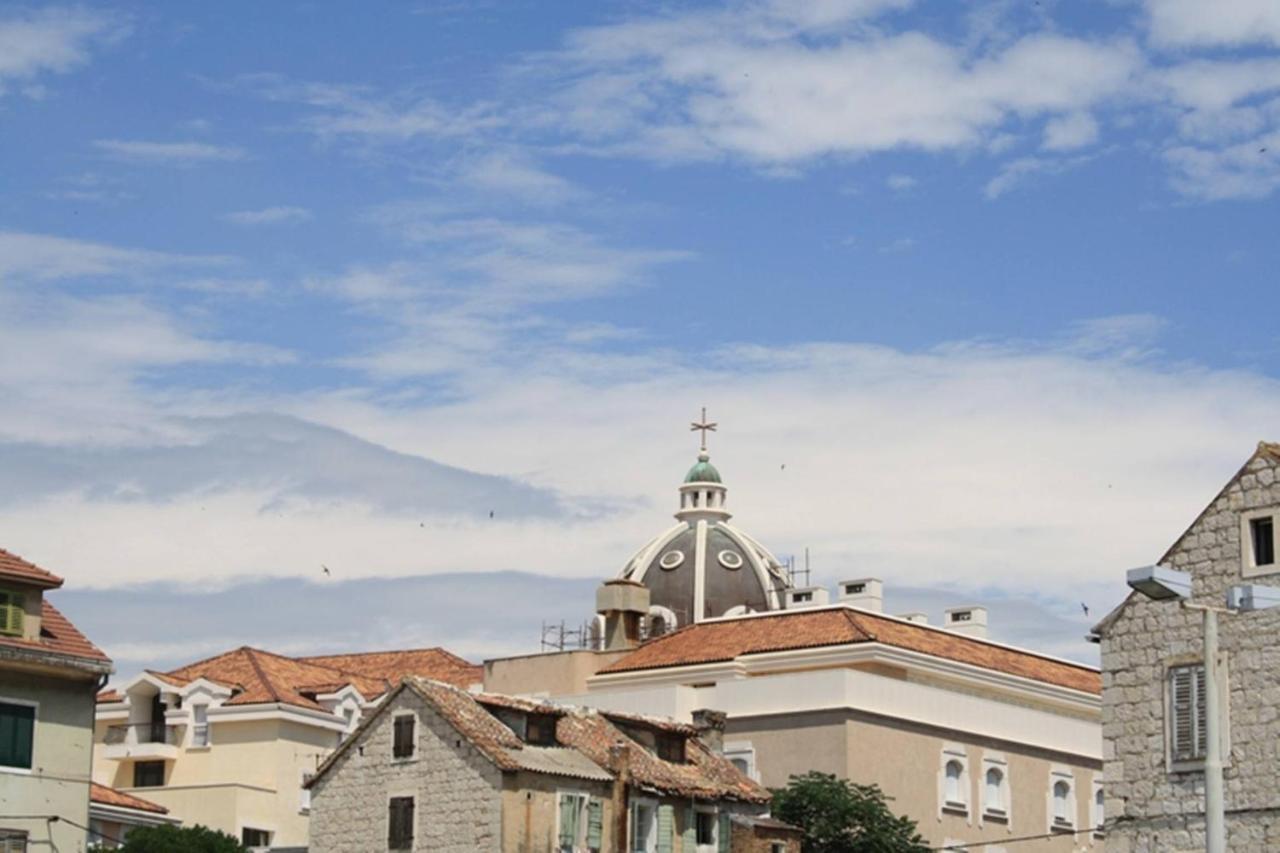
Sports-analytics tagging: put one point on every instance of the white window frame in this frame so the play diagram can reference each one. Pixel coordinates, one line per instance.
(304, 796)
(715, 829)
(646, 845)
(1224, 708)
(1004, 814)
(1249, 568)
(208, 729)
(35, 739)
(1056, 775)
(1096, 814)
(746, 751)
(955, 752)
(580, 840)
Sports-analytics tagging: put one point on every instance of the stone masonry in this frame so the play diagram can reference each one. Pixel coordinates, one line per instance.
(456, 789)
(1150, 807)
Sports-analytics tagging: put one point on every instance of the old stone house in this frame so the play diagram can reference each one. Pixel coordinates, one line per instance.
(1152, 697)
(438, 768)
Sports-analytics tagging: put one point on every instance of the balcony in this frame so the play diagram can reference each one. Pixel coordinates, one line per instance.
(142, 741)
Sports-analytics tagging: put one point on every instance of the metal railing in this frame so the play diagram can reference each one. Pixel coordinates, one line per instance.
(142, 733)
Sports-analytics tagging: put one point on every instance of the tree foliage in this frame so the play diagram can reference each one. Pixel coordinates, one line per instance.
(839, 816)
(174, 839)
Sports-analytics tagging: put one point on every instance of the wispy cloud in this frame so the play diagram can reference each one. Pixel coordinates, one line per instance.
(44, 257)
(169, 153)
(51, 40)
(1182, 23)
(269, 216)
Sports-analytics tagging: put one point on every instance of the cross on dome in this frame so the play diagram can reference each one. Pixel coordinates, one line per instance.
(705, 427)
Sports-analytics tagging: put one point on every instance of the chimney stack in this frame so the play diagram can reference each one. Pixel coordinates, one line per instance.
(916, 617)
(623, 603)
(866, 593)
(710, 725)
(970, 621)
(806, 596)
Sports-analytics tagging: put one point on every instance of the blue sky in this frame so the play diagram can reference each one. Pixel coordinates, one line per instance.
(291, 283)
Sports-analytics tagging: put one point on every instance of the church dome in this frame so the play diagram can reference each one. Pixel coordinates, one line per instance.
(704, 567)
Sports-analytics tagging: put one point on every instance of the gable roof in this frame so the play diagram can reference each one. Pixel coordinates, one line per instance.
(584, 737)
(727, 639)
(59, 636)
(119, 799)
(392, 666)
(13, 567)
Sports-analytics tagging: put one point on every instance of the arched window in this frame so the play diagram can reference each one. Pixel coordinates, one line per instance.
(995, 790)
(1061, 802)
(954, 779)
(1098, 816)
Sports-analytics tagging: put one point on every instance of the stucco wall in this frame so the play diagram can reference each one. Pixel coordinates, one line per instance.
(58, 783)
(457, 791)
(1150, 808)
(553, 674)
(529, 810)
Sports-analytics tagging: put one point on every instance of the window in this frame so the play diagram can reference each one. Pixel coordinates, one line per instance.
(954, 783)
(199, 725)
(304, 803)
(644, 826)
(953, 780)
(11, 612)
(1187, 709)
(400, 823)
(670, 746)
(17, 734)
(1258, 542)
(993, 793)
(855, 588)
(704, 828)
(1099, 815)
(580, 822)
(250, 837)
(1262, 536)
(1062, 803)
(802, 597)
(540, 730)
(402, 736)
(13, 841)
(148, 774)
(962, 616)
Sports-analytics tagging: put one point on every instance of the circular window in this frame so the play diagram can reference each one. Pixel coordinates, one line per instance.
(730, 559)
(671, 559)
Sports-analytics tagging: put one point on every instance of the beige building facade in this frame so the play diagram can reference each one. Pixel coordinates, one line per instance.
(1153, 703)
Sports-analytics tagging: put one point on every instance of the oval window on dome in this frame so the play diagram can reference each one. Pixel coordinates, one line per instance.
(730, 559)
(671, 560)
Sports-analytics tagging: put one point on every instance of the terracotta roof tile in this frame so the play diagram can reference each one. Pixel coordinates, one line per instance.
(59, 636)
(710, 642)
(392, 666)
(112, 797)
(261, 677)
(13, 566)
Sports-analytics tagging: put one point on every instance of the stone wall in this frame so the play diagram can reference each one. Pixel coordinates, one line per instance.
(1148, 806)
(456, 790)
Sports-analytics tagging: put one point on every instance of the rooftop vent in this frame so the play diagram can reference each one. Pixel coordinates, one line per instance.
(916, 617)
(867, 593)
(971, 621)
(806, 596)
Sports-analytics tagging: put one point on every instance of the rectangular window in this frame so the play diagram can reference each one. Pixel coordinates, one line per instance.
(1187, 713)
(403, 737)
(148, 774)
(250, 837)
(644, 827)
(540, 730)
(400, 823)
(1262, 534)
(17, 734)
(580, 824)
(13, 841)
(199, 725)
(11, 612)
(305, 804)
(802, 596)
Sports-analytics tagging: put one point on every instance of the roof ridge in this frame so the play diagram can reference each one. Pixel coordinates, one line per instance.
(252, 653)
(202, 661)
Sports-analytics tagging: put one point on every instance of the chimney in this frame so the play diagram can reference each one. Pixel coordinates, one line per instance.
(970, 621)
(916, 617)
(710, 726)
(622, 603)
(866, 593)
(806, 596)
(620, 767)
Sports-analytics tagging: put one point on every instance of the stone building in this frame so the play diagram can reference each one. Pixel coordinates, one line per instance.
(438, 768)
(49, 673)
(1153, 703)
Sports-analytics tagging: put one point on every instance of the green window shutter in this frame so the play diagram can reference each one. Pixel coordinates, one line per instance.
(595, 823)
(666, 828)
(722, 835)
(568, 820)
(17, 731)
(689, 838)
(11, 613)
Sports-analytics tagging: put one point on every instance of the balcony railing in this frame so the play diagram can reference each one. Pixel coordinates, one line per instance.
(143, 733)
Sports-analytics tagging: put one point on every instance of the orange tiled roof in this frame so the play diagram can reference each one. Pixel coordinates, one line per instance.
(59, 636)
(709, 642)
(112, 797)
(14, 567)
(392, 666)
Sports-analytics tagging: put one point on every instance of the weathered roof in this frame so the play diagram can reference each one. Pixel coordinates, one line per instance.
(585, 734)
(58, 636)
(15, 568)
(727, 639)
(391, 666)
(119, 799)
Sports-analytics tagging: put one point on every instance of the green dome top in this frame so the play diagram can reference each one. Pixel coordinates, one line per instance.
(702, 471)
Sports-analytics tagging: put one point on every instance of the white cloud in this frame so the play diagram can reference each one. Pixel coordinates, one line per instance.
(513, 173)
(171, 153)
(1018, 172)
(1181, 23)
(269, 216)
(1074, 130)
(900, 183)
(1249, 169)
(51, 40)
(43, 257)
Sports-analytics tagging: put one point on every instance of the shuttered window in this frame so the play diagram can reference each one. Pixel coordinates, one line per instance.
(403, 736)
(11, 612)
(400, 823)
(13, 841)
(666, 828)
(1187, 713)
(17, 733)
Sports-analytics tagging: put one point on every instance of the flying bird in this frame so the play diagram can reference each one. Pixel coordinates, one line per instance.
(784, 466)
(1085, 608)
(491, 513)
(326, 569)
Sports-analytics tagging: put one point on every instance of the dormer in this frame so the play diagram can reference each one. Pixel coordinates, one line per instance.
(20, 608)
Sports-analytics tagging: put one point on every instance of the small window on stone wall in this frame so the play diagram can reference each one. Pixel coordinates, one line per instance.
(1258, 542)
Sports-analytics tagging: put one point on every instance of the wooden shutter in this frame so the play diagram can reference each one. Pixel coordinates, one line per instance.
(722, 833)
(595, 823)
(1187, 710)
(17, 731)
(666, 828)
(568, 821)
(689, 838)
(11, 612)
(402, 738)
(400, 823)
(1202, 715)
